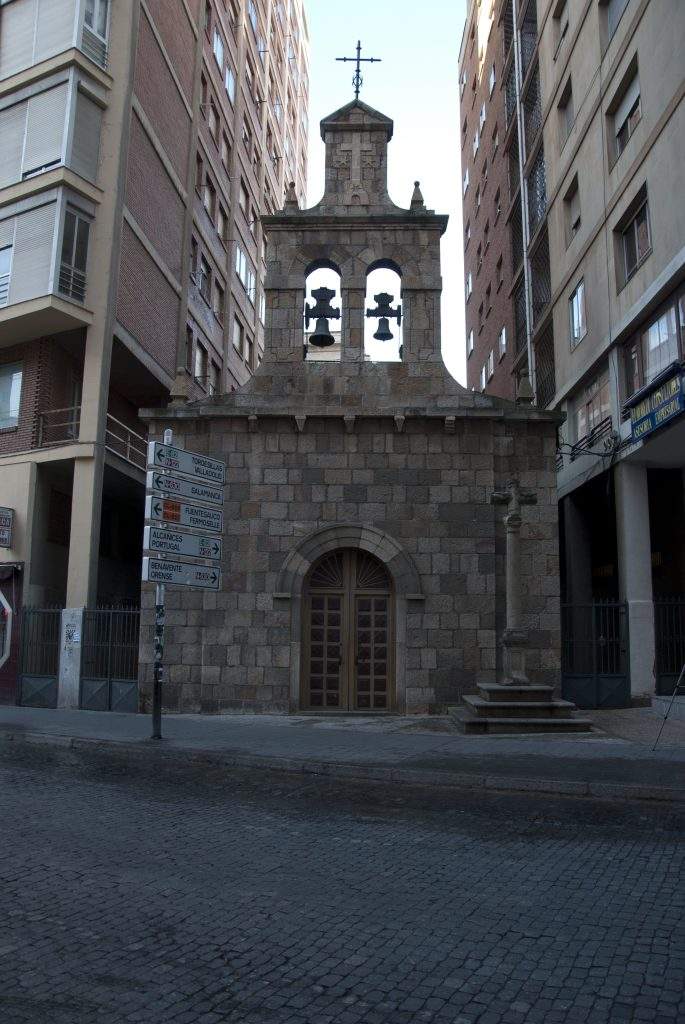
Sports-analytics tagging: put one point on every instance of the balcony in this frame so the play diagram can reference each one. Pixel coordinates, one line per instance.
(72, 282)
(507, 28)
(532, 111)
(516, 228)
(540, 279)
(545, 378)
(536, 188)
(510, 96)
(520, 318)
(528, 37)
(58, 426)
(126, 443)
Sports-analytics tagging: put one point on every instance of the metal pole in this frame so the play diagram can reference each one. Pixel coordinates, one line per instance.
(160, 616)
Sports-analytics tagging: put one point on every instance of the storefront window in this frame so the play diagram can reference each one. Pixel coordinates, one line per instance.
(659, 344)
(594, 405)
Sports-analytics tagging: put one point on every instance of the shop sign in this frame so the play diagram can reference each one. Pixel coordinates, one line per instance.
(6, 524)
(658, 407)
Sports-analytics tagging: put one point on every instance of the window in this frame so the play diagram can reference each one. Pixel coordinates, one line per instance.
(495, 140)
(250, 285)
(252, 14)
(614, 10)
(479, 258)
(194, 256)
(222, 224)
(218, 300)
(243, 200)
(464, 129)
(462, 83)
(200, 364)
(218, 49)
(278, 110)
(247, 135)
(476, 141)
(566, 115)
(214, 377)
(249, 77)
(72, 273)
(225, 151)
(572, 210)
(483, 377)
(498, 274)
(238, 336)
(469, 344)
(491, 80)
(656, 346)
(486, 236)
(477, 200)
(635, 241)
(502, 343)
(559, 24)
(262, 307)
(576, 310)
(465, 183)
(469, 286)
(205, 282)
(491, 364)
(10, 394)
(213, 121)
(249, 350)
(203, 93)
(467, 234)
(481, 119)
(5, 270)
(96, 16)
(189, 348)
(209, 197)
(199, 172)
(480, 318)
(593, 405)
(229, 83)
(488, 301)
(627, 115)
(485, 174)
(208, 17)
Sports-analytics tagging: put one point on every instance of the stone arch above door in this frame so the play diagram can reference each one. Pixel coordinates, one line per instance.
(399, 564)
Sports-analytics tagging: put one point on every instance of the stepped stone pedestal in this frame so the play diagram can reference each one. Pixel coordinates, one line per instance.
(516, 705)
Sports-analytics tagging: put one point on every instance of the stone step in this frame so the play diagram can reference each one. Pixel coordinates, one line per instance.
(518, 708)
(530, 692)
(472, 725)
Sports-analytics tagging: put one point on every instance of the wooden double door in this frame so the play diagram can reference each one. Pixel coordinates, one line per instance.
(348, 634)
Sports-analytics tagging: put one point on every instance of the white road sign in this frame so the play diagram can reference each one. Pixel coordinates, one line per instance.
(178, 542)
(181, 574)
(179, 513)
(6, 524)
(180, 488)
(165, 456)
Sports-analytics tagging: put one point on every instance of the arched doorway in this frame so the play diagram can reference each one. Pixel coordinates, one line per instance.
(348, 634)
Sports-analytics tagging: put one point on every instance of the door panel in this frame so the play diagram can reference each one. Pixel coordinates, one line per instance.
(326, 683)
(372, 624)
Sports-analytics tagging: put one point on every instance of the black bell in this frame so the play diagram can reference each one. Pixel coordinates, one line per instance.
(383, 333)
(322, 336)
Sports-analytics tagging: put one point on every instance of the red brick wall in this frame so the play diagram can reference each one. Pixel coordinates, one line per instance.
(153, 200)
(174, 28)
(147, 306)
(48, 371)
(160, 99)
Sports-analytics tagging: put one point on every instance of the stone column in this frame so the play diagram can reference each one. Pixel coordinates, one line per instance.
(353, 292)
(515, 637)
(635, 571)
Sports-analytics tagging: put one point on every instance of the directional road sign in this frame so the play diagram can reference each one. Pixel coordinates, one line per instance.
(181, 574)
(179, 542)
(181, 488)
(165, 456)
(6, 523)
(179, 513)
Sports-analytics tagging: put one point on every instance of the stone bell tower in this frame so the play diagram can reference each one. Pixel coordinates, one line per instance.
(364, 563)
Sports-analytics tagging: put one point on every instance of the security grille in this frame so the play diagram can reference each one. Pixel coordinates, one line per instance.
(516, 228)
(532, 110)
(514, 172)
(545, 379)
(4, 289)
(536, 188)
(507, 27)
(40, 639)
(109, 672)
(669, 626)
(529, 37)
(520, 318)
(540, 278)
(72, 282)
(510, 95)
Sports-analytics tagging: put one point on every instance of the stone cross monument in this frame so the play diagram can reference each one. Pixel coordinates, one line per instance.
(515, 636)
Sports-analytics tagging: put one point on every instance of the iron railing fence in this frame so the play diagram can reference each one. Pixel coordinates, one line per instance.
(545, 376)
(58, 426)
(109, 660)
(520, 317)
(540, 278)
(594, 653)
(532, 111)
(516, 229)
(669, 635)
(536, 190)
(40, 631)
(121, 440)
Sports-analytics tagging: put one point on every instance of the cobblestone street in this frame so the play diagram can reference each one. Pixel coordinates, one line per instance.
(186, 894)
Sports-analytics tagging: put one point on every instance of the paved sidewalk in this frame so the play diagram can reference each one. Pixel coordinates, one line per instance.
(615, 762)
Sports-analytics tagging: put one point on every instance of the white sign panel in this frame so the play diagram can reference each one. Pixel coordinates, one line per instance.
(181, 488)
(181, 574)
(178, 542)
(179, 513)
(6, 523)
(165, 456)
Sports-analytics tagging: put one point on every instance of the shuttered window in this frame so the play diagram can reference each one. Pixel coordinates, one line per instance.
(44, 130)
(17, 23)
(12, 124)
(32, 256)
(54, 28)
(86, 144)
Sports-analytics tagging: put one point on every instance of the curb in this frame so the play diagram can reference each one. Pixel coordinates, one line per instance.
(360, 772)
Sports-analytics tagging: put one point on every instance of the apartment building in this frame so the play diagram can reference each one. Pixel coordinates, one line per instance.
(594, 140)
(139, 143)
(488, 264)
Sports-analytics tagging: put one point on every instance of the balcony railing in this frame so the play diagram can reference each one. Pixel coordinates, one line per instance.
(537, 192)
(94, 47)
(545, 377)
(58, 426)
(4, 289)
(532, 111)
(540, 278)
(513, 166)
(529, 37)
(510, 96)
(520, 317)
(516, 227)
(72, 282)
(126, 443)
(507, 28)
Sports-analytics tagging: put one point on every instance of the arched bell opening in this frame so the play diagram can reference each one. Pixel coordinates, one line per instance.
(348, 634)
(322, 311)
(383, 313)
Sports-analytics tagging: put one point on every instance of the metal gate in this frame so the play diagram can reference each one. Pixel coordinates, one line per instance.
(669, 631)
(40, 636)
(594, 654)
(109, 666)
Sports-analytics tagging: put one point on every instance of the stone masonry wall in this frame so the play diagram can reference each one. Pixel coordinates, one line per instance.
(427, 484)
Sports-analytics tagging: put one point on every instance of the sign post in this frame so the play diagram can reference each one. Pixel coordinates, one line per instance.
(173, 475)
(6, 524)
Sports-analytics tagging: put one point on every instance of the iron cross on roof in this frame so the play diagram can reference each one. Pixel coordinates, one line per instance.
(358, 81)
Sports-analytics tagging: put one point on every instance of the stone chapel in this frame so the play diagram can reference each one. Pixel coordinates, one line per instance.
(363, 554)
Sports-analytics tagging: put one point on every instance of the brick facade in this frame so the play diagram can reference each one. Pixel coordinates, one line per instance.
(394, 459)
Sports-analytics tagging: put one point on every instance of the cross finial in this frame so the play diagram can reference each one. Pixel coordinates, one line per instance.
(357, 80)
